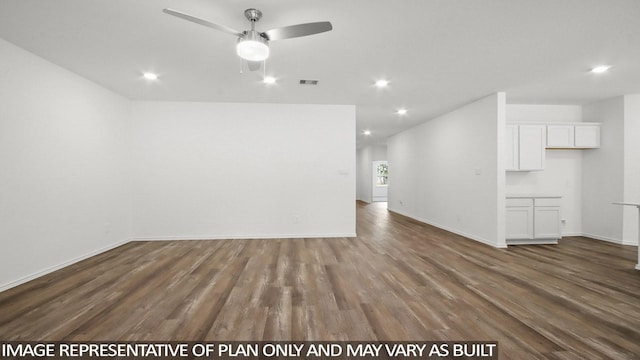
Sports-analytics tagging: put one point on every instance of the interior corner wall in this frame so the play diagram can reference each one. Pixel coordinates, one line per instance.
(603, 172)
(562, 174)
(631, 168)
(448, 171)
(240, 170)
(64, 188)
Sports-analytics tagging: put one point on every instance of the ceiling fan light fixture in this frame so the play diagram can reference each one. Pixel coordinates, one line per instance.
(253, 47)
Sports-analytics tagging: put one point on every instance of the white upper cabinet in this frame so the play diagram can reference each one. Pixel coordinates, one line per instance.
(573, 136)
(531, 146)
(511, 146)
(560, 136)
(525, 143)
(587, 136)
(525, 147)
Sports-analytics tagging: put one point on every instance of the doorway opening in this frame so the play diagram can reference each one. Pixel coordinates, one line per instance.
(380, 181)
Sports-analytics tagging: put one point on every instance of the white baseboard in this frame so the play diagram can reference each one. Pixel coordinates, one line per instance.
(532, 242)
(602, 238)
(243, 237)
(51, 269)
(605, 238)
(455, 231)
(572, 234)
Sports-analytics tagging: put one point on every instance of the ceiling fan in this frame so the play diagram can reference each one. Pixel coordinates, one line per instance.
(252, 45)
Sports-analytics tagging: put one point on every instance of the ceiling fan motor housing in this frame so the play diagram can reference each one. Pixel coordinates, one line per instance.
(253, 15)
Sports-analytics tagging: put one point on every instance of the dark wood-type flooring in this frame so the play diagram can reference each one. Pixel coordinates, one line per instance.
(398, 280)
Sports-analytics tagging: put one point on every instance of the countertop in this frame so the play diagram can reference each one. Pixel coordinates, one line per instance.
(534, 196)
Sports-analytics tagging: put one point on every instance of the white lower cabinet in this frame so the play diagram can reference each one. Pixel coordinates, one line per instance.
(533, 220)
(519, 218)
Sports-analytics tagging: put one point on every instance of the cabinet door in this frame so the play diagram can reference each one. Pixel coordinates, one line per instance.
(519, 219)
(560, 136)
(547, 222)
(531, 146)
(511, 145)
(587, 136)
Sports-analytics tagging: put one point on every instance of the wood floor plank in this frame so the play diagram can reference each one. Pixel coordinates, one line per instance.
(398, 280)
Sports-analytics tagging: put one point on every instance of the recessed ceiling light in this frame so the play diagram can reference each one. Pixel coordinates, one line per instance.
(367, 132)
(401, 111)
(600, 69)
(382, 83)
(269, 80)
(150, 76)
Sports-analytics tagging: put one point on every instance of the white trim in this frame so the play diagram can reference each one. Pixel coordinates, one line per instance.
(532, 241)
(458, 232)
(573, 234)
(604, 238)
(637, 266)
(63, 264)
(243, 237)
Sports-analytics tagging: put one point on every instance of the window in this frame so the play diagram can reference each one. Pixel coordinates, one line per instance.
(382, 174)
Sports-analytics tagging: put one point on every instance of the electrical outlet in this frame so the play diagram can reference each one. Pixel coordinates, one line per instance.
(296, 219)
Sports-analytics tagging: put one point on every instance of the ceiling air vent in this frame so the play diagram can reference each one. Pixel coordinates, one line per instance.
(308, 82)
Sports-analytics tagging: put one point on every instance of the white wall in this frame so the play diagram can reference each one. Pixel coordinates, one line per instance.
(603, 172)
(631, 168)
(210, 170)
(563, 168)
(378, 153)
(64, 190)
(363, 178)
(364, 158)
(449, 171)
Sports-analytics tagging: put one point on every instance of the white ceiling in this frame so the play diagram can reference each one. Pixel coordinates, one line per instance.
(437, 54)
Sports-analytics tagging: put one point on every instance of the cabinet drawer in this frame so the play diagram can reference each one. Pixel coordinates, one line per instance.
(519, 202)
(547, 202)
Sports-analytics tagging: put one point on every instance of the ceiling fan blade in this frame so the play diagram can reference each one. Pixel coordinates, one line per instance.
(292, 31)
(254, 65)
(200, 21)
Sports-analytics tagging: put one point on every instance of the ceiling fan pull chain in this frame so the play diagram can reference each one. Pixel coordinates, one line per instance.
(240, 63)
